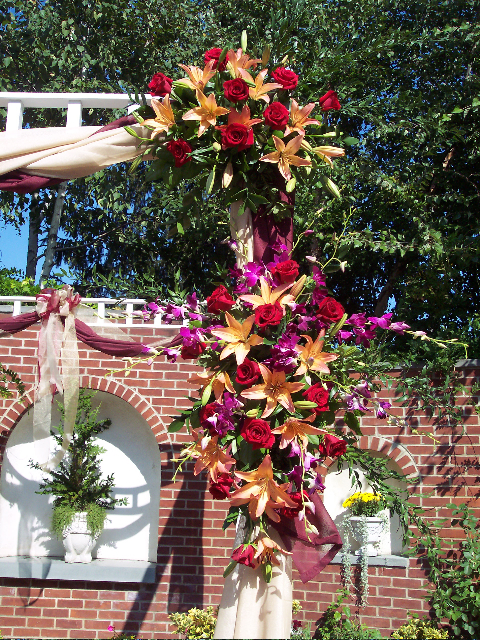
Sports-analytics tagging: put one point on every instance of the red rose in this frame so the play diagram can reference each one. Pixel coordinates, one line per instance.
(235, 90)
(206, 412)
(329, 310)
(220, 300)
(179, 149)
(160, 85)
(244, 554)
(257, 432)
(292, 512)
(288, 79)
(192, 351)
(237, 135)
(286, 271)
(268, 315)
(332, 447)
(317, 394)
(276, 115)
(214, 54)
(330, 101)
(248, 372)
(221, 488)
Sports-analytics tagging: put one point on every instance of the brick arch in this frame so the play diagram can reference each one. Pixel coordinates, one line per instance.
(396, 451)
(16, 411)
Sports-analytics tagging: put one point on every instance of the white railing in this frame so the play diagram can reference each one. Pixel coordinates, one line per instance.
(93, 311)
(17, 102)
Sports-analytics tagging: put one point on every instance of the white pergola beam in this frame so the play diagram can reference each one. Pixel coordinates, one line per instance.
(61, 100)
(14, 115)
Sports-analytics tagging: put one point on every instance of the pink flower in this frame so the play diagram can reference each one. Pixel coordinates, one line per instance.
(111, 627)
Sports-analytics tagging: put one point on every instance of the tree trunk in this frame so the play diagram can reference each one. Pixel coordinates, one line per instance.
(53, 233)
(34, 223)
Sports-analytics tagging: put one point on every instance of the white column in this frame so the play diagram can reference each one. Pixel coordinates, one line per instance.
(14, 116)
(74, 114)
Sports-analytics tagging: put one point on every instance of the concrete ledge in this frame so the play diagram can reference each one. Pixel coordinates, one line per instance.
(376, 561)
(96, 571)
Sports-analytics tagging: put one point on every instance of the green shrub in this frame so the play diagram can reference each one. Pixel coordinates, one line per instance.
(337, 623)
(420, 630)
(12, 283)
(196, 623)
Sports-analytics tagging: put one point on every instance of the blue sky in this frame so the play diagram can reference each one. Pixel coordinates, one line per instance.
(13, 247)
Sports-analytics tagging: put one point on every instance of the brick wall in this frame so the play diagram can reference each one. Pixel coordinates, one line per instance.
(192, 549)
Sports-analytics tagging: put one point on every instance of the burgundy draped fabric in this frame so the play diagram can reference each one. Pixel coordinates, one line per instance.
(13, 324)
(311, 556)
(268, 231)
(110, 346)
(22, 183)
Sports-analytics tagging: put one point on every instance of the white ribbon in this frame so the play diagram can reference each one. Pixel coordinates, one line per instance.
(57, 342)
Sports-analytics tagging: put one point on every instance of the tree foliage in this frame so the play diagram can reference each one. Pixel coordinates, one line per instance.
(407, 76)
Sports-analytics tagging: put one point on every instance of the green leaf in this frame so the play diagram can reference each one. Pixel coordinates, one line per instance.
(175, 426)
(353, 422)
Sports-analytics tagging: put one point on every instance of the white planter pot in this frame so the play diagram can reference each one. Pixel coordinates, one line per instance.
(374, 530)
(77, 540)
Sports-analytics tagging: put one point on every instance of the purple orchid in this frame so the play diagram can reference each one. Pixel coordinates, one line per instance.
(305, 323)
(381, 413)
(363, 336)
(314, 484)
(172, 312)
(172, 354)
(399, 327)
(362, 389)
(252, 273)
(309, 461)
(192, 302)
(343, 336)
(294, 450)
(318, 295)
(357, 320)
(319, 277)
(355, 402)
(383, 322)
(296, 476)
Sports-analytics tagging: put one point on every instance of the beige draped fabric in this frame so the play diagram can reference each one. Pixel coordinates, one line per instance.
(241, 230)
(67, 153)
(251, 608)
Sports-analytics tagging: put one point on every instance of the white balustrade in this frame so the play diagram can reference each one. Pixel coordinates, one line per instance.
(16, 102)
(93, 311)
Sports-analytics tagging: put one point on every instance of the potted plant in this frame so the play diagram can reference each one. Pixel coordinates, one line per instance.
(366, 523)
(82, 495)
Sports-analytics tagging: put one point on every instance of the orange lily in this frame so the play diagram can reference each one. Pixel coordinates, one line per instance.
(275, 389)
(266, 548)
(198, 78)
(210, 457)
(269, 296)
(328, 152)
(237, 335)
(260, 91)
(312, 357)
(262, 492)
(207, 112)
(241, 117)
(219, 384)
(238, 62)
(165, 116)
(293, 429)
(299, 117)
(285, 155)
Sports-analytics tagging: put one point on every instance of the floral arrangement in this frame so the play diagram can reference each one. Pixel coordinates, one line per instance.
(364, 503)
(278, 353)
(237, 125)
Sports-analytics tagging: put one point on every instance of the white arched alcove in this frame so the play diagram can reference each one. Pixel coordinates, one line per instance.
(133, 457)
(338, 487)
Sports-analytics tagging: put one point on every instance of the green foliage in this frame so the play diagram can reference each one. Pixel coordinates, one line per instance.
(421, 630)
(63, 514)
(196, 623)
(13, 284)
(337, 623)
(456, 575)
(9, 377)
(77, 483)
